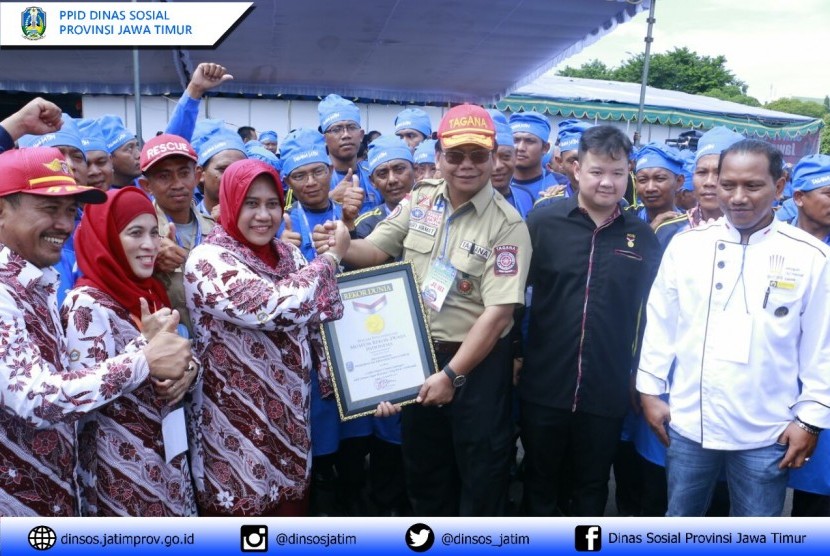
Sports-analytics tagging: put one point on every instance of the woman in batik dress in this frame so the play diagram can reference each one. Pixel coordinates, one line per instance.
(122, 468)
(257, 305)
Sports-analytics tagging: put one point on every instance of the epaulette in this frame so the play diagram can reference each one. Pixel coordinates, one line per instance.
(427, 183)
(560, 195)
(361, 217)
(511, 214)
(682, 218)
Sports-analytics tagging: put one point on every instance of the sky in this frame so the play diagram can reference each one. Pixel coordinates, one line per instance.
(780, 48)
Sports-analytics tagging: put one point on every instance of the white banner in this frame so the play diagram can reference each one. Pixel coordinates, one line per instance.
(117, 23)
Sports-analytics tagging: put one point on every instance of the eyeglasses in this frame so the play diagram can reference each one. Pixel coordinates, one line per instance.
(339, 129)
(478, 156)
(301, 177)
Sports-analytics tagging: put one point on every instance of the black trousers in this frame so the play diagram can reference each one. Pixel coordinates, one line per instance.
(559, 443)
(457, 457)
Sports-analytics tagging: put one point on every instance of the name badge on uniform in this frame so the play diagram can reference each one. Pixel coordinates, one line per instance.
(437, 285)
(730, 333)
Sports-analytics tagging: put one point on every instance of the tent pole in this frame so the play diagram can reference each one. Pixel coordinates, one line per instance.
(137, 95)
(644, 82)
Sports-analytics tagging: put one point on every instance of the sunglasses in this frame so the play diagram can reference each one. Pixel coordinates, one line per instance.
(478, 156)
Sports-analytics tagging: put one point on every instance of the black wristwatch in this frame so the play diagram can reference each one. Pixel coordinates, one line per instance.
(456, 379)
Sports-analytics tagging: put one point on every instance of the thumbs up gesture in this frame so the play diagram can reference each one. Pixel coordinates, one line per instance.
(288, 234)
(339, 192)
(168, 354)
(352, 201)
(152, 323)
(170, 256)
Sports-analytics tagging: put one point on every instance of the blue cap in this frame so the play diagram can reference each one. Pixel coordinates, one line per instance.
(688, 169)
(301, 147)
(570, 132)
(530, 122)
(255, 150)
(497, 115)
(91, 135)
(715, 141)
(386, 148)
(335, 108)
(425, 152)
(115, 134)
(656, 155)
(211, 137)
(546, 158)
(268, 136)
(811, 172)
(504, 135)
(67, 136)
(413, 118)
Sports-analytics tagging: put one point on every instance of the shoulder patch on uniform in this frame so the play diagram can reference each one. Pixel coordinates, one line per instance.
(507, 260)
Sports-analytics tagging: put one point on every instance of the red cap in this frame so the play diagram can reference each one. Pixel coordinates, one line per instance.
(467, 124)
(42, 171)
(164, 145)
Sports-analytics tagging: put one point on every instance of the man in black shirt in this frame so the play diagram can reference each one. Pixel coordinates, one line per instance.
(591, 271)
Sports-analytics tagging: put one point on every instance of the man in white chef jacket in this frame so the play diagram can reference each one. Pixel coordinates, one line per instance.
(740, 306)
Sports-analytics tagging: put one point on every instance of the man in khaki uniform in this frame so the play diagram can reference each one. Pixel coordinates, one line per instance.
(170, 176)
(471, 252)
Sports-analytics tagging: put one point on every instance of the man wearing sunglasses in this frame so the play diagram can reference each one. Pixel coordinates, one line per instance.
(471, 252)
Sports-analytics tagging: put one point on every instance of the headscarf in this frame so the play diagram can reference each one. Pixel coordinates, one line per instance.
(236, 181)
(101, 256)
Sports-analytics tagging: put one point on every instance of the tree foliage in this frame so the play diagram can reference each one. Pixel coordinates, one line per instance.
(677, 70)
(797, 106)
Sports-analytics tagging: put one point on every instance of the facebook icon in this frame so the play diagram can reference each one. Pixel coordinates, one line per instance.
(588, 538)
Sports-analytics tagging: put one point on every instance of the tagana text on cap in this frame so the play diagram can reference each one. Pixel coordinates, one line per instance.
(467, 124)
(42, 171)
(164, 145)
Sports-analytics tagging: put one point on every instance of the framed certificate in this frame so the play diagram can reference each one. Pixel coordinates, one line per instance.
(381, 350)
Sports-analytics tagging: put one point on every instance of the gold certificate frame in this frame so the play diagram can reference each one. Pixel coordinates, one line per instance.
(381, 350)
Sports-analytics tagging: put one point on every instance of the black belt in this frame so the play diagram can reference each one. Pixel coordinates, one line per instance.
(445, 348)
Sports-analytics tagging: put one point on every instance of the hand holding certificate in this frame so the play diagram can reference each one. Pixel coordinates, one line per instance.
(381, 350)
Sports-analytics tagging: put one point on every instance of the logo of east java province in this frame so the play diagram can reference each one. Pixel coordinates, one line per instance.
(33, 23)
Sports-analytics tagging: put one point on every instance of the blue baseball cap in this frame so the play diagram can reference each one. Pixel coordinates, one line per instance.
(386, 148)
(413, 118)
(335, 108)
(530, 122)
(268, 136)
(91, 135)
(656, 155)
(425, 152)
(67, 136)
(115, 134)
(811, 172)
(715, 141)
(570, 132)
(301, 147)
(211, 137)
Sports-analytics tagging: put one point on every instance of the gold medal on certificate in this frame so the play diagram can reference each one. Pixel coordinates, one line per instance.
(374, 323)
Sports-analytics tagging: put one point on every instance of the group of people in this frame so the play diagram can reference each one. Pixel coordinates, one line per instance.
(160, 342)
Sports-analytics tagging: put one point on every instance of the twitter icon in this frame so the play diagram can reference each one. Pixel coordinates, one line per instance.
(419, 537)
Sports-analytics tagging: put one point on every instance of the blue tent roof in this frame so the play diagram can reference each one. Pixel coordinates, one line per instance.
(433, 51)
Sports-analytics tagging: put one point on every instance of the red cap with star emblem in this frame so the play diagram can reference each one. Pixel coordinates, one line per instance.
(42, 171)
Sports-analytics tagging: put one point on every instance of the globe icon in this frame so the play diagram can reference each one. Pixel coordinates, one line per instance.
(42, 537)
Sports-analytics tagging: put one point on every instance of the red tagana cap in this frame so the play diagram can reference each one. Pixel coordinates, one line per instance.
(164, 145)
(467, 124)
(42, 171)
